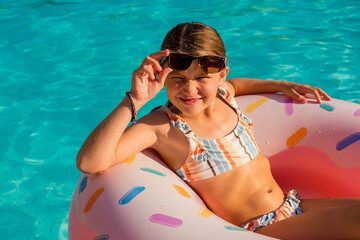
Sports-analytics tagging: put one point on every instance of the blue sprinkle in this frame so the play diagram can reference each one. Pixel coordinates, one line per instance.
(83, 185)
(327, 107)
(153, 171)
(131, 194)
(348, 141)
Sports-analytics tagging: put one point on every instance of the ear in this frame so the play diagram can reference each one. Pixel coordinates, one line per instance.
(223, 74)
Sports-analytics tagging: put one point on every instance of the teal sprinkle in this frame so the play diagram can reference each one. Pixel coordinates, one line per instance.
(327, 107)
(153, 171)
(232, 228)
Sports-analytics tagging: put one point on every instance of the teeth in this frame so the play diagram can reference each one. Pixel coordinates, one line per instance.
(190, 100)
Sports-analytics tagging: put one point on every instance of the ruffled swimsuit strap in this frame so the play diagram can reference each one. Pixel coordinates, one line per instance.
(229, 99)
(179, 123)
(243, 121)
(196, 145)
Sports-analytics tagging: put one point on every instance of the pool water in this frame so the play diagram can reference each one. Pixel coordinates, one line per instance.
(65, 64)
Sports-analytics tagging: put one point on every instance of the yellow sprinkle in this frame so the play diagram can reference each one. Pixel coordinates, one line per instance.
(130, 159)
(251, 107)
(204, 212)
(181, 191)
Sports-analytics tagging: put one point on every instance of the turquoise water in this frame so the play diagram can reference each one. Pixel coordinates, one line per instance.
(65, 64)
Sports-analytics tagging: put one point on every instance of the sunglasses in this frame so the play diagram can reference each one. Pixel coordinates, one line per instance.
(181, 62)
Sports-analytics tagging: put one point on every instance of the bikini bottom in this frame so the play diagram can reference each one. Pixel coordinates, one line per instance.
(289, 208)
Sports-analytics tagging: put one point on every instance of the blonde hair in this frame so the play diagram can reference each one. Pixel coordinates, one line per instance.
(195, 39)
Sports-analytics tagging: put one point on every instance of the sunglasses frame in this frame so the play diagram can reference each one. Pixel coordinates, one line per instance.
(192, 59)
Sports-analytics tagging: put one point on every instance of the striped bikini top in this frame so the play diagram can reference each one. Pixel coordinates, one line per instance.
(211, 157)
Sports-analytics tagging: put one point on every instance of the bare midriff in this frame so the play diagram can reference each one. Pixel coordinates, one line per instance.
(243, 193)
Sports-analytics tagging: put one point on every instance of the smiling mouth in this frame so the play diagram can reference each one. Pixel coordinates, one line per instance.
(190, 101)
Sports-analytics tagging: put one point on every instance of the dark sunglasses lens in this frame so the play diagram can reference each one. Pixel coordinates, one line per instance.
(180, 61)
(212, 64)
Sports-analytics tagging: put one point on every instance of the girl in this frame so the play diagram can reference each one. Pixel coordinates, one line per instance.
(202, 127)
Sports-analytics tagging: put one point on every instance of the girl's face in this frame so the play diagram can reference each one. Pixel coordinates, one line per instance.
(192, 91)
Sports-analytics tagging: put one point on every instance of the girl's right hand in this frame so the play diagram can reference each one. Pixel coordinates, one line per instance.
(149, 78)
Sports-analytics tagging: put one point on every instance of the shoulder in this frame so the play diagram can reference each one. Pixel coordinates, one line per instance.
(155, 119)
(228, 87)
(159, 125)
(226, 92)
(150, 128)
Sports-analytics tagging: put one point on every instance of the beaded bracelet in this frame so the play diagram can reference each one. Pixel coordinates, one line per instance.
(133, 110)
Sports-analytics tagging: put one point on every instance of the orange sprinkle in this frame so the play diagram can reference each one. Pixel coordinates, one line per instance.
(181, 191)
(93, 199)
(296, 137)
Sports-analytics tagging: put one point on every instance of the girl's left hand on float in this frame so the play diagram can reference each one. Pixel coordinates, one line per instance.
(302, 92)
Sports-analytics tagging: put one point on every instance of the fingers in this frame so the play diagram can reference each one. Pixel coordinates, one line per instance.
(155, 58)
(150, 77)
(311, 90)
(315, 93)
(163, 74)
(159, 55)
(151, 67)
(318, 93)
(301, 92)
(151, 64)
(323, 94)
(296, 96)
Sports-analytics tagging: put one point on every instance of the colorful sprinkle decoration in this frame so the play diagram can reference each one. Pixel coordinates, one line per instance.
(153, 171)
(296, 137)
(289, 108)
(93, 199)
(166, 220)
(233, 228)
(344, 143)
(83, 184)
(204, 212)
(328, 107)
(251, 107)
(181, 191)
(102, 237)
(131, 194)
(357, 113)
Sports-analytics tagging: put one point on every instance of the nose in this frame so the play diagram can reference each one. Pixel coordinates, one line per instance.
(191, 87)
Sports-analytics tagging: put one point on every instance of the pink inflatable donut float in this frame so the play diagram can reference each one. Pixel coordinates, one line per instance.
(313, 148)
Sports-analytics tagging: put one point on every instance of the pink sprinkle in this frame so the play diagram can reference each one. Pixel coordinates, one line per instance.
(288, 106)
(166, 220)
(357, 113)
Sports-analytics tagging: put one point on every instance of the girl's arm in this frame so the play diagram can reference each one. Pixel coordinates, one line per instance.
(296, 91)
(100, 149)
